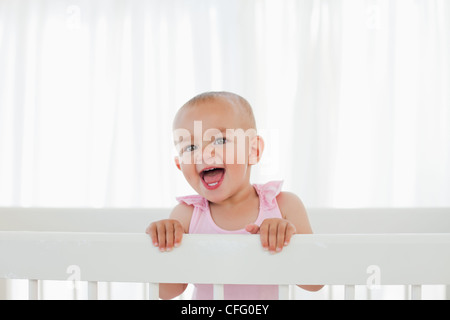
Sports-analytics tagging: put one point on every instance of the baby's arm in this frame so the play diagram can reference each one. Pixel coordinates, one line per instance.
(294, 211)
(166, 234)
(276, 233)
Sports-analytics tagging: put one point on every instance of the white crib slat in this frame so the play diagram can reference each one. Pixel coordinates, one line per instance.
(416, 292)
(292, 292)
(218, 292)
(283, 292)
(33, 289)
(330, 292)
(349, 292)
(92, 290)
(153, 291)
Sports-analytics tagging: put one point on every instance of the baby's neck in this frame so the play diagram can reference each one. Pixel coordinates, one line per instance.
(238, 211)
(245, 193)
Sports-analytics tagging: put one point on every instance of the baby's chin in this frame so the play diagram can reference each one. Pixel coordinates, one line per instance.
(214, 196)
(217, 197)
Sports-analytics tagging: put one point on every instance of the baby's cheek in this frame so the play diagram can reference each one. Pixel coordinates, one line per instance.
(190, 173)
(235, 153)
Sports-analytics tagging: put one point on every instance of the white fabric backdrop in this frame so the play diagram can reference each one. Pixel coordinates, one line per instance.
(352, 97)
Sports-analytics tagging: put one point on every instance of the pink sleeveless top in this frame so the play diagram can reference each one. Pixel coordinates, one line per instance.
(202, 222)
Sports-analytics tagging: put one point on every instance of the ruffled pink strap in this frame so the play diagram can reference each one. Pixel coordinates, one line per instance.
(194, 200)
(268, 192)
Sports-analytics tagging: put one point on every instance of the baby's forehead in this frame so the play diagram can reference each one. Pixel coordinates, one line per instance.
(219, 107)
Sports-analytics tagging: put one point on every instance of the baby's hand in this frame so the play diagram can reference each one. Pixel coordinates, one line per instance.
(275, 233)
(165, 234)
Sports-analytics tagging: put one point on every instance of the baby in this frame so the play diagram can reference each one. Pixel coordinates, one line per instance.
(217, 143)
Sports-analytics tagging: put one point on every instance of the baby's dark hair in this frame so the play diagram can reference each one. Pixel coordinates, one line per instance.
(231, 97)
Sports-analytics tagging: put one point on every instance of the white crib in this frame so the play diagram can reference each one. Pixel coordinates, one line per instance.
(350, 247)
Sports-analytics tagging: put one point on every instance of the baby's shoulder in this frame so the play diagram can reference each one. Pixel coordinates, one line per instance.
(289, 203)
(183, 207)
(288, 198)
(292, 209)
(183, 213)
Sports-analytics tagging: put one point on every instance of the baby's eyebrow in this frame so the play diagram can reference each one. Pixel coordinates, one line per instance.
(177, 142)
(181, 135)
(181, 138)
(224, 131)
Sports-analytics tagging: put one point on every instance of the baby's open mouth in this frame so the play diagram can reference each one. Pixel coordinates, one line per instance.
(212, 177)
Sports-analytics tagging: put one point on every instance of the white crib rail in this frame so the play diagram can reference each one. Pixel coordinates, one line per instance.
(406, 259)
(351, 246)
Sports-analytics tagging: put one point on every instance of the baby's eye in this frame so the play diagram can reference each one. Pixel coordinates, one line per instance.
(190, 148)
(220, 141)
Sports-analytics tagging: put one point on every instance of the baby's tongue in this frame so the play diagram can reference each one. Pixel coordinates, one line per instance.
(213, 176)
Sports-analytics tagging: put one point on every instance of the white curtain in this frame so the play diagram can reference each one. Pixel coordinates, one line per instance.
(351, 96)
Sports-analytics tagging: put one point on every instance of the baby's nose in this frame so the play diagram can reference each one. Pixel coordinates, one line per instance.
(204, 156)
(210, 156)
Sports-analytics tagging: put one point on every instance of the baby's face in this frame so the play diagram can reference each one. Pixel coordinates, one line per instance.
(214, 144)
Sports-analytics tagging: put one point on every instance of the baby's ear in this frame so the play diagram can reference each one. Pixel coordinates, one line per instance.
(256, 150)
(177, 162)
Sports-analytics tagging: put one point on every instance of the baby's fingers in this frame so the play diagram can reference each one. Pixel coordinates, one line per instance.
(264, 235)
(290, 230)
(284, 232)
(165, 234)
(281, 236)
(153, 232)
(161, 237)
(276, 233)
(178, 234)
(173, 232)
(252, 228)
(168, 237)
